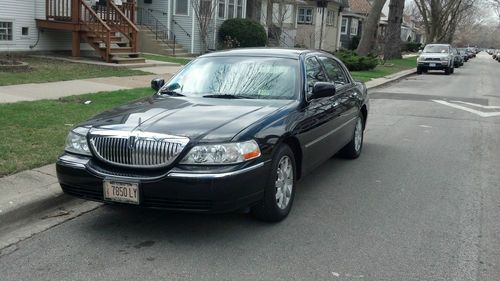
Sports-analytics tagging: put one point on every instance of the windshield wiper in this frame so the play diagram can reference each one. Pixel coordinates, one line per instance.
(227, 96)
(171, 93)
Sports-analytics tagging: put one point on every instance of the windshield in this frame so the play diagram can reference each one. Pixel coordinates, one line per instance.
(237, 77)
(436, 49)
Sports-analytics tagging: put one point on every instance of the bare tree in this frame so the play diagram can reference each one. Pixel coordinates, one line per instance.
(392, 46)
(370, 29)
(204, 11)
(442, 17)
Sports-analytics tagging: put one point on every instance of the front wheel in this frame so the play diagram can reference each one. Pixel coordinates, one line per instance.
(419, 70)
(280, 189)
(352, 150)
(447, 71)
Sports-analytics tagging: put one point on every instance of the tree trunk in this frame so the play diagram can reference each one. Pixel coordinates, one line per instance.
(392, 47)
(370, 28)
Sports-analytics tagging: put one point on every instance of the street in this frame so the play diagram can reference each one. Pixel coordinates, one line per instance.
(421, 203)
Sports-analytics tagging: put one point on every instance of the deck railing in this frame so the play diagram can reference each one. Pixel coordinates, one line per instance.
(93, 24)
(58, 10)
(117, 19)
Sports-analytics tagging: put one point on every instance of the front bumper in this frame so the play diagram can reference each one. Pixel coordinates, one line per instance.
(177, 189)
(433, 65)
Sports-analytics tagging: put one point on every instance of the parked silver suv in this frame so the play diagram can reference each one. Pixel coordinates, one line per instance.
(436, 57)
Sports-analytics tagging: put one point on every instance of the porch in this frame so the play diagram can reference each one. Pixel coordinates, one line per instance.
(108, 28)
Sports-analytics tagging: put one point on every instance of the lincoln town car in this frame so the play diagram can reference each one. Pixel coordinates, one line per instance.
(233, 130)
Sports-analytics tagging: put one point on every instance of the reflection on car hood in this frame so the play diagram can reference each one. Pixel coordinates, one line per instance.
(208, 119)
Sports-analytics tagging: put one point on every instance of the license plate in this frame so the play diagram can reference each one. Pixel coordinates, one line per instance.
(432, 64)
(123, 192)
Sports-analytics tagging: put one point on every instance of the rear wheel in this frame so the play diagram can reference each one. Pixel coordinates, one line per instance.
(280, 190)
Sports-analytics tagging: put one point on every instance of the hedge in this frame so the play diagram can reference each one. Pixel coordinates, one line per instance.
(242, 33)
(354, 62)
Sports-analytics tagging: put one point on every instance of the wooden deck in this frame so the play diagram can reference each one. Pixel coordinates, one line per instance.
(109, 29)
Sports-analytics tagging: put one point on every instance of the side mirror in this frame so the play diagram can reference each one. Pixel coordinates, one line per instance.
(157, 83)
(322, 89)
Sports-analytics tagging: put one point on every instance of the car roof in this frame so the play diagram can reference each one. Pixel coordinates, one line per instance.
(262, 52)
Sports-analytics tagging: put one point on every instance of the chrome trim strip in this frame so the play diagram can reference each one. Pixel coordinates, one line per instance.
(215, 175)
(99, 173)
(329, 133)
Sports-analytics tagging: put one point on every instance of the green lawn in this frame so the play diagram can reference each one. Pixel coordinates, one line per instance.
(181, 61)
(390, 67)
(32, 133)
(50, 70)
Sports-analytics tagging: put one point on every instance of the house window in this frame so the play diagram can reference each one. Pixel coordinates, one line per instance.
(181, 7)
(343, 28)
(239, 8)
(222, 9)
(148, 1)
(230, 9)
(5, 31)
(305, 16)
(330, 18)
(354, 27)
(25, 31)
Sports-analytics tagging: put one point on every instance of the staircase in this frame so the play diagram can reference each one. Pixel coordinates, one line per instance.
(110, 29)
(156, 37)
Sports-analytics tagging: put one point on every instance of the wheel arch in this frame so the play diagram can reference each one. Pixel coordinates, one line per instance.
(294, 145)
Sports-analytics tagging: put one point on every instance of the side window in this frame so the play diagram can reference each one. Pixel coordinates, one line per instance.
(314, 73)
(334, 71)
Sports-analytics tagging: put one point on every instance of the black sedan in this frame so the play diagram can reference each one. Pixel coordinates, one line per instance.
(231, 130)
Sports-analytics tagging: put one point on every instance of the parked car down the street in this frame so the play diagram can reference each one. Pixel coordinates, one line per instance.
(436, 57)
(458, 61)
(233, 129)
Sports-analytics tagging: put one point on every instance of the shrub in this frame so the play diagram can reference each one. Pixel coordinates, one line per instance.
(411, 47)
(246, 32)
(354, 62)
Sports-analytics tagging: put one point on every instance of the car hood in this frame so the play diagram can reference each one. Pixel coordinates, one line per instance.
(207, 119)
(435, 55)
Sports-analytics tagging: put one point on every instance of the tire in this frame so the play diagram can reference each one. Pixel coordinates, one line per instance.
(452, 70)
(419, 70)
(273, 207)
(352, 150)
(447, 71)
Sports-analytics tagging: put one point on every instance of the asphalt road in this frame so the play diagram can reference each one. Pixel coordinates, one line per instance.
(422, 203)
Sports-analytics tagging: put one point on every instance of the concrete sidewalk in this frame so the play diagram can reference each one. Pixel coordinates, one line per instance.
(55, 90)
(33, 192)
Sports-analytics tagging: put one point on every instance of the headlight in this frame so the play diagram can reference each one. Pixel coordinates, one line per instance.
(219, 154)
(76, 142)
(420, 58)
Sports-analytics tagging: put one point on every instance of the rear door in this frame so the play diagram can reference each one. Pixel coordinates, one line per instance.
(347, 96)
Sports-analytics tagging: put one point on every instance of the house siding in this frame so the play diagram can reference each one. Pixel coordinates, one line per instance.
(182, 25)
(23, 14)
(308, 35)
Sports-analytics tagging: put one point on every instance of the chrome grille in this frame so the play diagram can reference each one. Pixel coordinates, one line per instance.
(141, 149)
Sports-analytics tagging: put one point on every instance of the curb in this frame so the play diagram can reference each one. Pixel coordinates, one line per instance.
(383, 81)
(51, 195)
